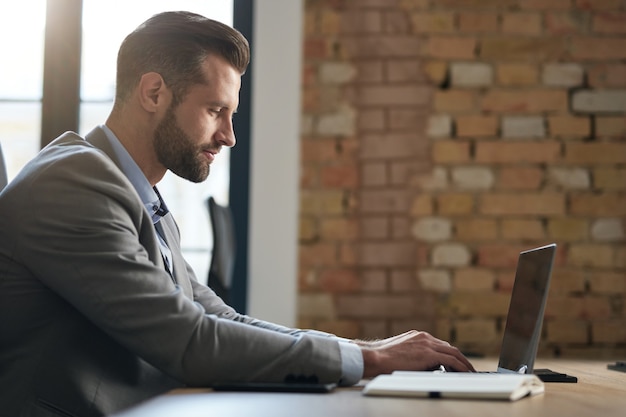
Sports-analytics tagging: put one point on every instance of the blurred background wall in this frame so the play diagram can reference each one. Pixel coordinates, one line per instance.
(441, 138)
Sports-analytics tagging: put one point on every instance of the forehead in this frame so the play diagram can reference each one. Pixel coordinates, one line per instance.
(222, 81)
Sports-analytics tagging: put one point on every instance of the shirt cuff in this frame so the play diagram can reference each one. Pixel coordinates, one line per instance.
(351, 363)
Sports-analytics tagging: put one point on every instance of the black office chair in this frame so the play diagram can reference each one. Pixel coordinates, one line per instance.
(3, 171)
(223, 258)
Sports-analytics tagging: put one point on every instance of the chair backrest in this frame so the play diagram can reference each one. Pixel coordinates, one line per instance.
(223, 257)
(3, 171)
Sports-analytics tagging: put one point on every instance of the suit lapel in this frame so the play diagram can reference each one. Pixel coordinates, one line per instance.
(97, 137)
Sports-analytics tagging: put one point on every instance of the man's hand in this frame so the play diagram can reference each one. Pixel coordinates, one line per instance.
(411, 351)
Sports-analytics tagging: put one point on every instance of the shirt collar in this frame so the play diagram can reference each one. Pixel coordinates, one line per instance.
(149, 195)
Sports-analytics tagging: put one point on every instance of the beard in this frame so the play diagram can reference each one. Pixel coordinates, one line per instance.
(177, 152)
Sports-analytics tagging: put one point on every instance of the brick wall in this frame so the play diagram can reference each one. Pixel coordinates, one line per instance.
(441, 138)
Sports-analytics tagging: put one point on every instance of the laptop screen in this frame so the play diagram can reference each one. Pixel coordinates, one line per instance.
(526, 310)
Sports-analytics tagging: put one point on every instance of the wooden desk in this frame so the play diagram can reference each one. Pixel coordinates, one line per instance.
(599, 392)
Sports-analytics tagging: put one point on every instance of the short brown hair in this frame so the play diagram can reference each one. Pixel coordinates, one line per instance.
(175, 44)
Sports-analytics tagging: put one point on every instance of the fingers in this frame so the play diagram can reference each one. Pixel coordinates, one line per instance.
(455, 360)
(448, 355)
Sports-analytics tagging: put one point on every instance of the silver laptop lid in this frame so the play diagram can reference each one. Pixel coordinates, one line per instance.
(526, 310)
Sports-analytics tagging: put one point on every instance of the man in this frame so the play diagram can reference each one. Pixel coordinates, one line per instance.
(98, 309)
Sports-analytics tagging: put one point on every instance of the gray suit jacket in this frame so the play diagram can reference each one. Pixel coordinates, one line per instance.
(90, 322)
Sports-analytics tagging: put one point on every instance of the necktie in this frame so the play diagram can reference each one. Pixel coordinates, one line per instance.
(166, 253)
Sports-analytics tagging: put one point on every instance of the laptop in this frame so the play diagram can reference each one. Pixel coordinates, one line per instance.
(526, 310)
(519, 345)
(525, 316)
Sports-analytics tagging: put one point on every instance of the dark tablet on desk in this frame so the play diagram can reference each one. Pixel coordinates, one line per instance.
(274, 387)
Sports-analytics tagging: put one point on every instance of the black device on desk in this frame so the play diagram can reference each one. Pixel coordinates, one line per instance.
(617, 366)
(274, 387)
(547, 375)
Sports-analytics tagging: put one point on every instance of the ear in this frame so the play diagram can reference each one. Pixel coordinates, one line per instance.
(153, 93)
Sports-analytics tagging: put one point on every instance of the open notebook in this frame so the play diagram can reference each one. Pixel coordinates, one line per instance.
(493, 386)
(514, 377)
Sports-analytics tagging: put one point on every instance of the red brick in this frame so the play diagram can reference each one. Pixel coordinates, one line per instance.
(476, 331)
(545, 5)
(403, 280)
(608, 204)
(436, 71)
(595, 153)
(309, 176)
(387, 254)
(514, 152)
(525, 101)
(473, 126)
(339, 229)
(477, 4)
(478, 22)
(475, 304)
(382, 95)
(380, 46)
(499, 255)
(315, 48)
(597, 4)
(404, 71)
(310, 99)
(403, 118)
(321, 254)
(613, 331)
(567, 280)
(603, 282)
(388, 145)
(567, 331)
(607, 75)
(384, 306)
(396, 21)
(371, 119)
(522, 229)
(568, 229)
(611, 126)
(565, 23)
(361, 21)
(369, 71)
(455, 101)
(476, 229)
(609, 22)
(520, 178)
(521, 23)
(422, 205)
(591, 255)
(569, 126)
(374, 174)
(598, 48)
(340, 176)
(609, 178)
(432, 22)
(455, 203)
(451, 151)
(522, 49)
(547, 203)
(451, 47)
(307, 229)
(474, 279)
(339, 281)
(517, 74)
(385, 201)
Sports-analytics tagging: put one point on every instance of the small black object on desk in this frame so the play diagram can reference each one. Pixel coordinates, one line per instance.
(547, 375)
(617, 366)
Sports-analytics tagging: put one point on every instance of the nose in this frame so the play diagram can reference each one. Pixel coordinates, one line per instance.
(226, 134)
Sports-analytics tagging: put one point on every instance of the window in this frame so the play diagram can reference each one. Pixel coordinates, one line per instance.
(22, 81)
(104, 26)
